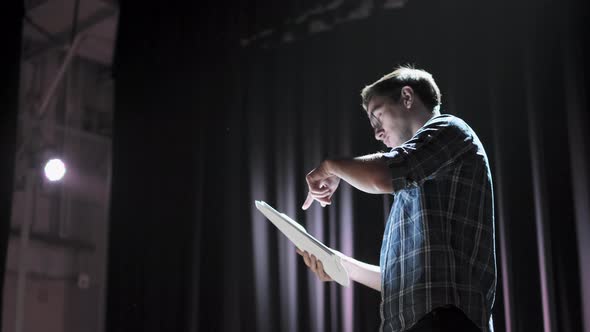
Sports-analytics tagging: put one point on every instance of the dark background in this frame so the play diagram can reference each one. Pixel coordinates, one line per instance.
(204, 125)
(10, 33)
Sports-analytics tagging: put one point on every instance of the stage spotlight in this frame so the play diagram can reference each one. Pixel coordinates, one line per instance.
(55, 170)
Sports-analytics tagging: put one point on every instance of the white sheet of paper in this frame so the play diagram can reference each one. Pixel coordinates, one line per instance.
(304, 241)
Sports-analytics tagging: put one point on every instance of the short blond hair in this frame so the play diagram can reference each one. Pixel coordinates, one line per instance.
(391, 84)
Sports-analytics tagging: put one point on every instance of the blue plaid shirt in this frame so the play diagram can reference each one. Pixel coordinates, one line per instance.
(438, 245)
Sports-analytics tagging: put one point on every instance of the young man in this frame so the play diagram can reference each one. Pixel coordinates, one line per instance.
(437, 270)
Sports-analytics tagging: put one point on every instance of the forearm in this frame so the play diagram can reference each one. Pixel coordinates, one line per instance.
(367, 173)
(363, 273)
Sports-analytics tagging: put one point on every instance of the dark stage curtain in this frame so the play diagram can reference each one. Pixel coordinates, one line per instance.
(11, 15)
(204, 126)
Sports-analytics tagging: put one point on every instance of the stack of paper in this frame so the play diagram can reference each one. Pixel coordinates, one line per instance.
(304, 241)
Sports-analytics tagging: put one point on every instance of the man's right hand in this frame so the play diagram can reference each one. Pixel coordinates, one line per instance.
(366, 274)
(321, 184)
(314, 265)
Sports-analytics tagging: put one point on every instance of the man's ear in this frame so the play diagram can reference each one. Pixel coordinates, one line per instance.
(407, 96)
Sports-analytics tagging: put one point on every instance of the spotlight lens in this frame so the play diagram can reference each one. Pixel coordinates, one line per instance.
(55, 170)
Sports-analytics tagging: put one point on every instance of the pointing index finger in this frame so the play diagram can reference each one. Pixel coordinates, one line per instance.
(307, 202)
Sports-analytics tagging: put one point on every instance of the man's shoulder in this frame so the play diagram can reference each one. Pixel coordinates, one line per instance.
(449, 120)
(459, 129)
(449, 123)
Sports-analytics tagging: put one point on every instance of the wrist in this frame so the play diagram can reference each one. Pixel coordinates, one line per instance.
(330, 166)
(350, 266)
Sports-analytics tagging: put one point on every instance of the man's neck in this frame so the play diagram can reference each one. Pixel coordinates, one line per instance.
(422, 116)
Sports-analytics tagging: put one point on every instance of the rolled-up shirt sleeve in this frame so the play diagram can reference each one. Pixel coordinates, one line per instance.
(437, 145)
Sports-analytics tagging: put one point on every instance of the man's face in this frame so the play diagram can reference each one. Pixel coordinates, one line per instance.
(389, 121)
